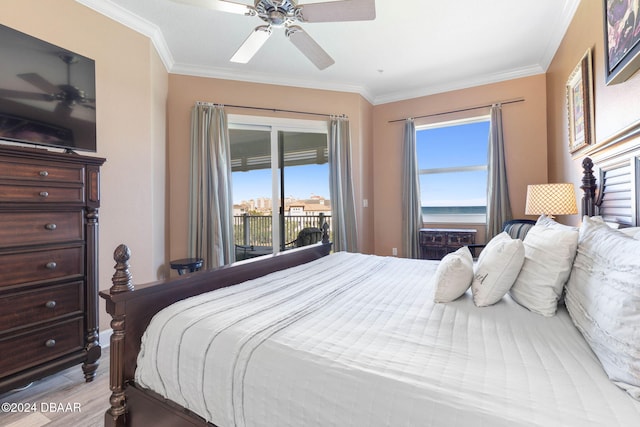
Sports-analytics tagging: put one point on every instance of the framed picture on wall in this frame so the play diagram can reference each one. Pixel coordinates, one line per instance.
(579, 91)
(621, 39)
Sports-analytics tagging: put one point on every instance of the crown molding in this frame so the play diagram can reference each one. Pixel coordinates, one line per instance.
(134, 22)
(142, 26)
(558, 32)
(457, 85)
(225, 74)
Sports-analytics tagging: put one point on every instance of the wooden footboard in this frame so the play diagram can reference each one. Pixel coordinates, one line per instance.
(132, 307)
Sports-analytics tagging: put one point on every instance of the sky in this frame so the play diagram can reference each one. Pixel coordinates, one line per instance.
(461, 145)
(301, 182)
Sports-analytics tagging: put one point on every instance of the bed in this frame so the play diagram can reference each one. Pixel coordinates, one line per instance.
(309, 338)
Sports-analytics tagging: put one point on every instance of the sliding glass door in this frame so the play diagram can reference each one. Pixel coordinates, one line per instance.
(280, 181)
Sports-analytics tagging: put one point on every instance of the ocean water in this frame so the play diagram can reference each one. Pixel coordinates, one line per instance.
(453, 210)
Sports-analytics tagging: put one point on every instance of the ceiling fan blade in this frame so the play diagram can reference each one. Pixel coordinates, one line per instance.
(38, 81)
(347, 10)
(18, 94)
(309, 47)
(252, 44)
(221, 5)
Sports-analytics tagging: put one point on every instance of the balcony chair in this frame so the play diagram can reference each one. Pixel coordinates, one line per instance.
(306, 236)
(244, 252)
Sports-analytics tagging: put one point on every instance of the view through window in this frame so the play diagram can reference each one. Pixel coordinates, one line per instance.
(280, 178)
(452, 160)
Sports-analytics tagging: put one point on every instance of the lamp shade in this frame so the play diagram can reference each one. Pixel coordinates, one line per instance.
(551, 199)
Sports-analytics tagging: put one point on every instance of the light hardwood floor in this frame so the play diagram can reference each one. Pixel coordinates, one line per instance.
(63, 399)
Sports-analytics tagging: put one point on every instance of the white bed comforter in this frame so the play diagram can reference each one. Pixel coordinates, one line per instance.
(356, 340)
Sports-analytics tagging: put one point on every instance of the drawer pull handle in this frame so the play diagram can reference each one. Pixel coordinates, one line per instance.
(50, 226)
(50, 343)
(44, 173)
(44, 194)
(50, 304)
(51, 265)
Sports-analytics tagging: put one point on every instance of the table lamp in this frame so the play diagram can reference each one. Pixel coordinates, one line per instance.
(551, 199)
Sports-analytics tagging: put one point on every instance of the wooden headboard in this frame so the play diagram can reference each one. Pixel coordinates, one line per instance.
(613, 190)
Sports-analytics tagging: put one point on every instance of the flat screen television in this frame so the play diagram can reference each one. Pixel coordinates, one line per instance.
(47, 94)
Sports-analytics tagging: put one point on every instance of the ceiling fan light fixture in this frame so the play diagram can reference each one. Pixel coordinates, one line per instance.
(277, 18)
(283, 13)
(252, 44)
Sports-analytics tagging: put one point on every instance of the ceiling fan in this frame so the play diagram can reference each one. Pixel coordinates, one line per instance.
(284, 13)
(66, 95)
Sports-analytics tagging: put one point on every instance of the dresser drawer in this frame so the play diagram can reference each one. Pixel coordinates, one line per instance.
(36, 305)
(35, 266)
(40, 193)
(41, 172)
(34, 228)
(433, 238)
(41, 345)
(460, 239)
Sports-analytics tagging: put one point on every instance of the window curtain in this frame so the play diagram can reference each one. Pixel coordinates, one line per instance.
(210, 201)
(411, 208)
(498, 204)
(343, 212)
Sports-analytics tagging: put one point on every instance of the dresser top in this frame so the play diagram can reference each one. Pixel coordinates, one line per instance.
(44, 154)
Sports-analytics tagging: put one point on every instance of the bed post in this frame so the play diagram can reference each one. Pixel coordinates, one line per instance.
(116, 414)
(589, 188)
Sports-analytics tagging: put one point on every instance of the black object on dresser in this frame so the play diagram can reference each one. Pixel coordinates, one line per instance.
(437, 242)
(48, 264)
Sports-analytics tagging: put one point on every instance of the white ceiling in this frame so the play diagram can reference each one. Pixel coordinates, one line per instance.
(412, 48)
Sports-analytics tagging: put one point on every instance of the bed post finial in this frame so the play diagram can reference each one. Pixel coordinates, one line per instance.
(588, 187)
(122, 277)
(325, 232)
(115, 415)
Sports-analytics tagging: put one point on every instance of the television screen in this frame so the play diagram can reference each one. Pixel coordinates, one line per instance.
(47, 93)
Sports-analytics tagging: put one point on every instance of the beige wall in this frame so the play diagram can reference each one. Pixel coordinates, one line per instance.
(525, 135)
(143, 129)
(184, 91)
(131, 92)
(616, 106)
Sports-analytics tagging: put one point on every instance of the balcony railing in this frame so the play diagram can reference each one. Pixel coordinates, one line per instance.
(256, 230)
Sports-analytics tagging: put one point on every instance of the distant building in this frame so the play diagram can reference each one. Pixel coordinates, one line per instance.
(313, 206)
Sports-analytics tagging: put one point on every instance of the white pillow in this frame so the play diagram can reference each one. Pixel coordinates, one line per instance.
(548, 257)
(497, 268)
(551, 223)
(603, 299)
(453, 275)
(631, 232)
(613, 225)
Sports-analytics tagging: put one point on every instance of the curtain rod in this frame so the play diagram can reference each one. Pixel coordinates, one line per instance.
(511, 101)
(274, 110)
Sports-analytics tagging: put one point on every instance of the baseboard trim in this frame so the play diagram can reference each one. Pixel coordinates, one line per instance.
(105, 338)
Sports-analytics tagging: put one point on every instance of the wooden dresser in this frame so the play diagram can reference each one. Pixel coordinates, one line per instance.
(48, 264)
(437, 242)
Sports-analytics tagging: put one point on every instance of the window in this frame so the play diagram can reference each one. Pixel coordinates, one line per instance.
(280, 179)
(452, 162)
